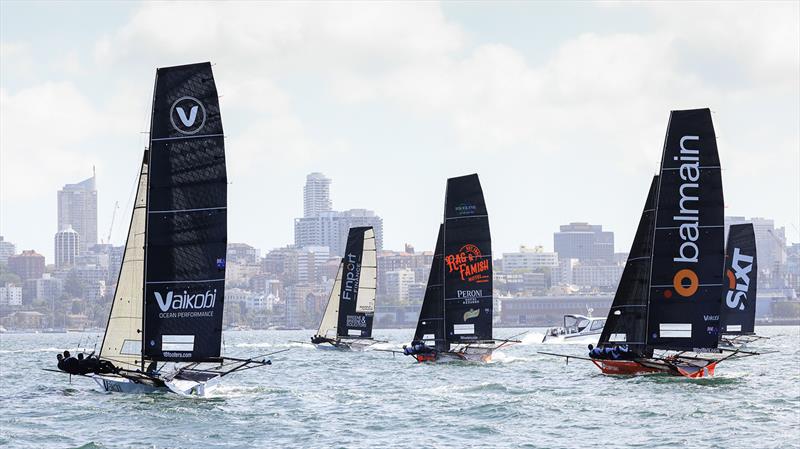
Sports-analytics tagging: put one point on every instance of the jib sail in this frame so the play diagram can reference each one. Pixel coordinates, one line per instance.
(738, 311)
(688, 252)
(430, 326)
(186, 234)
(467, 268)
(357, 287)
(627, 319)
(122, 342)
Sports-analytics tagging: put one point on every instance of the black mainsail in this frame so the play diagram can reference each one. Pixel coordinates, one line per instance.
(738, 310)
(688, 249)
(627, 318)
(186, 230)
(351, 307)
(467, 270)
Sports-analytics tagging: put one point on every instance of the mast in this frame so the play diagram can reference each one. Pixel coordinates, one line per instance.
(627, 318)
(186, 230)
(688, 249)
(467, 267)
(357, 286)
(430, 325)
(122, 340)
(738, 309)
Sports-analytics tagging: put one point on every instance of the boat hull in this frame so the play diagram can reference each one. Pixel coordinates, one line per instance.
(679, 367)
(118, 384)
(448, 357)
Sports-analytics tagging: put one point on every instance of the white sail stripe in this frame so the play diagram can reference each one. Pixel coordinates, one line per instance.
(701, 167)
(638, 258)
(172, 211)
(185, 282)
(466, 216)
(159, 139)
(629, 305)
(701, 226)
(699, 285)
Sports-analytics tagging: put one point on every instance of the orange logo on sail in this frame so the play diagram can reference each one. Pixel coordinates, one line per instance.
(469, 263)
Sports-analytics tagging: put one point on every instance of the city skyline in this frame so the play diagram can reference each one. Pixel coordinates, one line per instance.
(561, 126)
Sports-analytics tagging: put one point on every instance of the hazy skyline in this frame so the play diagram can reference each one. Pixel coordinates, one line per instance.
(561, 109)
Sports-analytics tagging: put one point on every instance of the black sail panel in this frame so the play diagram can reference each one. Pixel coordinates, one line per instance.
(627, 319)
(688, 254)
(352, 323)
(430, 326)
(738, 310)
(186, 232)
(467, 271)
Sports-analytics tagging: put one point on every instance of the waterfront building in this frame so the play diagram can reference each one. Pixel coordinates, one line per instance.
(529, 259)
(10, 296)
(398, 283)
(585, 242)
(7, 249)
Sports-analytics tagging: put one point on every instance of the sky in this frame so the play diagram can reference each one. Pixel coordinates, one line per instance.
(561, 108)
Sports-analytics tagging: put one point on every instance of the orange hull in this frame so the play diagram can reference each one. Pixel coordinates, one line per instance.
(637, 368)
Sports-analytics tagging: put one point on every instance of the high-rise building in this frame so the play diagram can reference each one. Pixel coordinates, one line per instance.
(77, 207)
(585, 242)
(27, 265)
(332, 227)
(67, 242)
(316, 195)
(7, 249)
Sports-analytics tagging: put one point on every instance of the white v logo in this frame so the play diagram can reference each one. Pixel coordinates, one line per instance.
(164, 305)
(187, 122)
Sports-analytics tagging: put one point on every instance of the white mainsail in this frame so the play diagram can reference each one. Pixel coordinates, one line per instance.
(122, 343)
(369, 273)
(330, 320)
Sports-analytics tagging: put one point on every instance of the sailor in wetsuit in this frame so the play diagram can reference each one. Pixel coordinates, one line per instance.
(610, 353)
(68, 364)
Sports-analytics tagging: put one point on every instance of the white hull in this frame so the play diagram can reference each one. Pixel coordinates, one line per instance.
(183, 387)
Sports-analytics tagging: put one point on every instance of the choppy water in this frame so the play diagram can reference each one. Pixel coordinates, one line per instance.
(312, 398)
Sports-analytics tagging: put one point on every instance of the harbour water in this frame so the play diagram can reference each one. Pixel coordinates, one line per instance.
(313, 398)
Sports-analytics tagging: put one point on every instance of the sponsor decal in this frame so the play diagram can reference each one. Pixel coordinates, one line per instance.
(685, 280)
(186, 305)
(738, 280)
(711, 317)
(357, 321)
(471, 313)
(469, 264)
(187, 115)
(352, 276)
(466, 208)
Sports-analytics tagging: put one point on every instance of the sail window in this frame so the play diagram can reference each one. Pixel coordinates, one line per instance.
(675, 330)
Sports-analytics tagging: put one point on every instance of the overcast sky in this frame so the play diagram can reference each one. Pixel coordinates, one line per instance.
(561, 108)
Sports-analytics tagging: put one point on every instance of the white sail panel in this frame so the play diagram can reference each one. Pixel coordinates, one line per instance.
(327, 328)
(122, 342)
(369, 273)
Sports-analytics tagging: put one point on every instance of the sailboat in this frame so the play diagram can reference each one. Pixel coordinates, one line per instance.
(347, 321)
(455, 321)
(668, 299)
(171, 287)
(738, 310)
